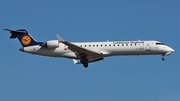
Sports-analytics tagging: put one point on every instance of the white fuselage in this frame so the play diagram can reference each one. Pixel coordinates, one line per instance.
(105, 48)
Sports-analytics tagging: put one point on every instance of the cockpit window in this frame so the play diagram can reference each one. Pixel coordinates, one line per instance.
(159, 44)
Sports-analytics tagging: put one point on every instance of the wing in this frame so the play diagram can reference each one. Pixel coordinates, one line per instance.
(79, 51)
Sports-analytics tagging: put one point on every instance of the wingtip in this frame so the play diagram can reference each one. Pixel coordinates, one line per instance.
(59, 38)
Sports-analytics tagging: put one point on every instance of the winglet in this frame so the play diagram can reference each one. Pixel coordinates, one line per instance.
(59, 38)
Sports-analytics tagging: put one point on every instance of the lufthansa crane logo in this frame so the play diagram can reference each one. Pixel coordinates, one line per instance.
(26, 40)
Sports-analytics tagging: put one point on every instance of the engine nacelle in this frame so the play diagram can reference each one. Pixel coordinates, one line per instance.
(51, 44)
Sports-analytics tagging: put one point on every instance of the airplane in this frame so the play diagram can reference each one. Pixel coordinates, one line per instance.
(87, 52)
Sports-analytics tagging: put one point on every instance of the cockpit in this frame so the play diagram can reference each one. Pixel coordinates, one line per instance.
(158, 43)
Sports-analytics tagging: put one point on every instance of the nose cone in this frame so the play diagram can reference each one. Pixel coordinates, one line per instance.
(168, 50)
(171, 50)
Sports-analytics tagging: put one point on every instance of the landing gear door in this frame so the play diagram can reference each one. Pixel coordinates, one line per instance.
(148, 46)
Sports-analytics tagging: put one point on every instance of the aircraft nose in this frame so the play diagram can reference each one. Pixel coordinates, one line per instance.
(170, 49)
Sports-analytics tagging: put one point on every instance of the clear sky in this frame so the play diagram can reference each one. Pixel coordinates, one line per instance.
(26, 77)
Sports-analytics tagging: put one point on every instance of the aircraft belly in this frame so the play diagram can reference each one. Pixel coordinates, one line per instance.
(128, 51)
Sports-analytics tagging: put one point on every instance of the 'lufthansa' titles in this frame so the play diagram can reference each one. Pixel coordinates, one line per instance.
(127, 42)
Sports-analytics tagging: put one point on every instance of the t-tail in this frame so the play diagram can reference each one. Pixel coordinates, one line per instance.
(23, 36)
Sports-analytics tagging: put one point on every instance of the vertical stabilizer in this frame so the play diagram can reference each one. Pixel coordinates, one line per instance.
(24, 37)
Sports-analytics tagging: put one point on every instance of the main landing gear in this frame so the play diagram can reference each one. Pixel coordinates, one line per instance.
(84, 61)
(162, 58)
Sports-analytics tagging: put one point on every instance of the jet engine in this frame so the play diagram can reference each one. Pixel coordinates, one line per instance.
(51, 44)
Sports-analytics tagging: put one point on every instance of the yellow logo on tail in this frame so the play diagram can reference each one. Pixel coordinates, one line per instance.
(26, 40)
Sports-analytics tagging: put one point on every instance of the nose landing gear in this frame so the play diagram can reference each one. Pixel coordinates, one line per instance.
(162, 58)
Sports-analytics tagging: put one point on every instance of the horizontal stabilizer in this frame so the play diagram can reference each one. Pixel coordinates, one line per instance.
(16, 33)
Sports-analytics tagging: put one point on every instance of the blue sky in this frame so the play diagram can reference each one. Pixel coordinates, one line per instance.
(26, 77)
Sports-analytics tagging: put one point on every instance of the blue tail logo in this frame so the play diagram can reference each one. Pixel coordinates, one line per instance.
(23, 36)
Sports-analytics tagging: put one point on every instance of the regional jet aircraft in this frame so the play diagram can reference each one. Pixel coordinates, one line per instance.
(87, 52)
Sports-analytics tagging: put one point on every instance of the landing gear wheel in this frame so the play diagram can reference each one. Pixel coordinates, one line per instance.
(85, 65)
(162, 58)
(84, 61)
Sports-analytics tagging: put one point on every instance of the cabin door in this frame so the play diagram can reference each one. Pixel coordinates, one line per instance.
(148, 46)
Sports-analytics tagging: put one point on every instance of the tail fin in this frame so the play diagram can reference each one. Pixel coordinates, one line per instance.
(23, 36)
